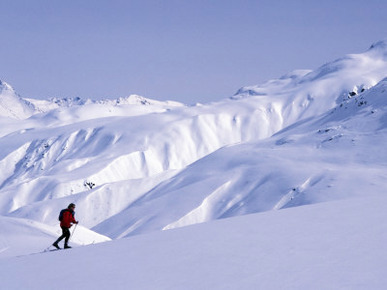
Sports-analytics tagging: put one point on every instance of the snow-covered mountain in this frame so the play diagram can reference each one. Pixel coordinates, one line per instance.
(335, 155)
(135, 165)
(12, 105)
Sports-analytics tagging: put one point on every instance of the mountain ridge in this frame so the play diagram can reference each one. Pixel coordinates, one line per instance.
(137, 165)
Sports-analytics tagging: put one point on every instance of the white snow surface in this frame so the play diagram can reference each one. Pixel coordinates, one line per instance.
(336, 245)
(281, 186)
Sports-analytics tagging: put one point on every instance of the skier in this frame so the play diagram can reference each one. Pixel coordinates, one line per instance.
(66, 218)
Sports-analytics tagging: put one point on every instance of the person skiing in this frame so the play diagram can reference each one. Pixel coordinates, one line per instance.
(66, 218)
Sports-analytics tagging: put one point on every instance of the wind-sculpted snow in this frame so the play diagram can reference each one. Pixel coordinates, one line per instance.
(135, 165)
(332, 156)
(63, 162)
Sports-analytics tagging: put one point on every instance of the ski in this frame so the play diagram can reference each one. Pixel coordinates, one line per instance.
(46, 250)
(50, 249)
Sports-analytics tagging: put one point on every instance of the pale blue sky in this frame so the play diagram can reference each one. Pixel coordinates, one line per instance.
(188, 51)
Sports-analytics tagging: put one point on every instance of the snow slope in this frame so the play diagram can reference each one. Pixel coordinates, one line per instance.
(334, 245)
(336, 155)
(135, 165)
(22, 236)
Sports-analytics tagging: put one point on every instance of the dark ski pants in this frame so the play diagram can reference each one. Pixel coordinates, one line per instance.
(65, 235)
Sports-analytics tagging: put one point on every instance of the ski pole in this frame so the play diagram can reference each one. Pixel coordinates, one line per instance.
(73, 231)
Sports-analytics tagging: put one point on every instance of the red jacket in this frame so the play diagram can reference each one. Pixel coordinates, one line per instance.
(68, 219)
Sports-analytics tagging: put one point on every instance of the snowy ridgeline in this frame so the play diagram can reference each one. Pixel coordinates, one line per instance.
(136, 166)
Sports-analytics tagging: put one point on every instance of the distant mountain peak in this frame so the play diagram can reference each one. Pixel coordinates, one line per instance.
(11, 105)
(4, 86)
(342, 74)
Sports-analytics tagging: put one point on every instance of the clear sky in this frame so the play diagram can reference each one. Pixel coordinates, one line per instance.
(188, 51)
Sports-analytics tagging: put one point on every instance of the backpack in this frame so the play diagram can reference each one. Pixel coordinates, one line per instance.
(61, 214)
